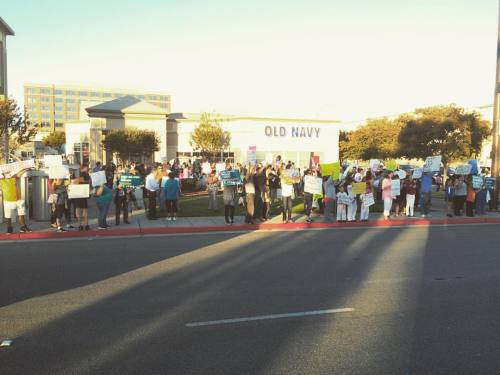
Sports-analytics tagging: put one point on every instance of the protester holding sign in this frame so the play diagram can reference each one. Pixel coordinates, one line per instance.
(104, 196)
(352, 207)
(460, 195)
(59, 187)
(9, 185)
(426, 193)
(287, 191)
(310, 188)
(121, 198)
(410, 187)
(229, 198)
(81, 204)
(342, 203)
(367, 196)
(387, 194)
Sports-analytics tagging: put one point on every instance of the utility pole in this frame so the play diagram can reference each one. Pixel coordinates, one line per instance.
(495, 151)
(5, 31)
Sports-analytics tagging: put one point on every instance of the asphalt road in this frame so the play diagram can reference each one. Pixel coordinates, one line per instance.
(425, 301)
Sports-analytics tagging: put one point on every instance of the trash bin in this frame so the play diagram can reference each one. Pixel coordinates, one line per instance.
(37, 190)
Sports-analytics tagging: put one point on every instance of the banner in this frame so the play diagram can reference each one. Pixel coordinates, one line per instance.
(489, 183)
(315, 160)
(358, 188)
(78, 191)
(391, 165)
(374, 165)
(52, 160)
(477, 182)
(336, 171)
(395, 188)
(368, 199)
(417, 173)
(98, 178)
(432, 164)
(326, 169)
(313, 185)
(130, 180)
(17, 166)
(463, 169)
(230, 178)
(252, 155)
(474, 167)
(59, 172)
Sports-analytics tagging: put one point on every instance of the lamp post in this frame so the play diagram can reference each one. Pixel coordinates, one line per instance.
(5, 31)
(495, 151)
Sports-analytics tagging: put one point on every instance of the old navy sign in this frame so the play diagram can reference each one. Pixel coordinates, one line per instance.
(294, 131)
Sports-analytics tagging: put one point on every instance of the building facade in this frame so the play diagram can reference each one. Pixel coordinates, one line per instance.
(52, 106)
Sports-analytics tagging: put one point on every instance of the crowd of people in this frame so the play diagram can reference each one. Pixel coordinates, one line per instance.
(260, 187)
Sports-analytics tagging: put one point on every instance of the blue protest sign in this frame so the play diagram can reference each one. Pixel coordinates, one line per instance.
(230, 178)
(489, 183)
(474, 168)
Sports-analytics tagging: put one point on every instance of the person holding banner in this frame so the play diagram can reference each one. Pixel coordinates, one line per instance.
(229, 197)
(81, 204)
(387, 194)
(9, 185)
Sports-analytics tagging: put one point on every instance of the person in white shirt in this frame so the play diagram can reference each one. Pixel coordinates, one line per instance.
(342, 199)
(358, 177)
(287, 194)
(152, 187)
(352, 207)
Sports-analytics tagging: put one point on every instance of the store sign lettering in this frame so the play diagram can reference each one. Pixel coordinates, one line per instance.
(296, 132)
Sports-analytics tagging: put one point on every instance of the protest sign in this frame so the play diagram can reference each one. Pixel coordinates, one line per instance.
(395, 187)
(336, 171)
(463, 169)
(368, 199)
(313, 185)
(52, 160)
(206, 168)
(98, 178)
(432, 164)
(78, 191)
(374, 165)
(17, 166)
(315, 160)
(343, 199)
(358, 188)
(326, 169)
(477, 182)
(219, 167)
(230, 178)
(130, 180)
(417, 173)
(489, 182)
(401, 174)
(252, 155)
(391, 165)
(474, 167)
(59, 171)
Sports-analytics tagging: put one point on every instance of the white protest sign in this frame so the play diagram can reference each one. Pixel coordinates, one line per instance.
(463, 169)
(219, 167)
(401, 174)
(52, 160)
(374, 165)
(206, 168)
(343, 199)
(417, 173)
(477, 182)
(98, 178)
(313, 185)
(395, 187)
(17, 166)
(432, 164)
(78, 191)
(347, 170)
(368, 199)
(59, 171)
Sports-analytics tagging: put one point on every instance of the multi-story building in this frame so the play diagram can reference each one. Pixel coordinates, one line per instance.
(51, 106)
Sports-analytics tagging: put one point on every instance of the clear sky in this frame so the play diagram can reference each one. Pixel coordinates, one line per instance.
(338, 59)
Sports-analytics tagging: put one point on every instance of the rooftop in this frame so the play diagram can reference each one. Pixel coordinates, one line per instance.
(5, 28)
(126, 105)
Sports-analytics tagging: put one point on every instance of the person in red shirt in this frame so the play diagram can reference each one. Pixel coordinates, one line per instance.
(410, 186)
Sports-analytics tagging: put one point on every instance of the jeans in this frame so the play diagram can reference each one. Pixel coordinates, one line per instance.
(308, 201)
(152, 204)
(426, 202)
(229, 213)
(103, 212)
(121, 204)
(287, 208)
(171, 207)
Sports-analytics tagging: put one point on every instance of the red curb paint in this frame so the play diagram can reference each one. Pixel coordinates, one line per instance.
(243, 227)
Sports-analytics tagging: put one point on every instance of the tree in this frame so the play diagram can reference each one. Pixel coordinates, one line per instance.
(55, 139)
(377, 139)
(208, 137)
(449, 131)
(128, 142)
(14, 125)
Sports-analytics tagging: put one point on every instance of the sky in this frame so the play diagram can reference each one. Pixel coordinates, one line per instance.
(321, 59)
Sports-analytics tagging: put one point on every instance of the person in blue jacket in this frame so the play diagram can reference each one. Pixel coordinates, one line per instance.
(172, 192)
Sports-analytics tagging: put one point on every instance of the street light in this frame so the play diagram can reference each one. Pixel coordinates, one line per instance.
(495, 151)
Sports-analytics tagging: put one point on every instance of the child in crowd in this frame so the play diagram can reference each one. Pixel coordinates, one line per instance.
(342, 199)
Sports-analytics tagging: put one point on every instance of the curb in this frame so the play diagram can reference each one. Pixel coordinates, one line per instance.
(242, 227)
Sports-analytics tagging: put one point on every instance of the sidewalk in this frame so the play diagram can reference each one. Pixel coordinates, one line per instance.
(140, 225)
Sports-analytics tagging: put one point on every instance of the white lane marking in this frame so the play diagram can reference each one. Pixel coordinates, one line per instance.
(267, 317)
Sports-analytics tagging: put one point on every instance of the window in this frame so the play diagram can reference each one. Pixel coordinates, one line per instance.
(153, 97)
(164, 105)
(32, 99)
(59, 124)
(164, 98)
(94, 94)
(83, 93)
(45, 99)
(70, 109)
(32, 90)
(70, 100)
(59, 116)
(58, 100)
(72, 116)
(45, 115)
(44, 124)
(58, 92)
(45, 108)
(45, 91)
(32, 107)
(70, 93)
(58, 108)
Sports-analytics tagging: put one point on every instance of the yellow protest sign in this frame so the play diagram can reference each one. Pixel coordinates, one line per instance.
(358, 188)
(326, 169)
(391, 165)
(336, 171)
